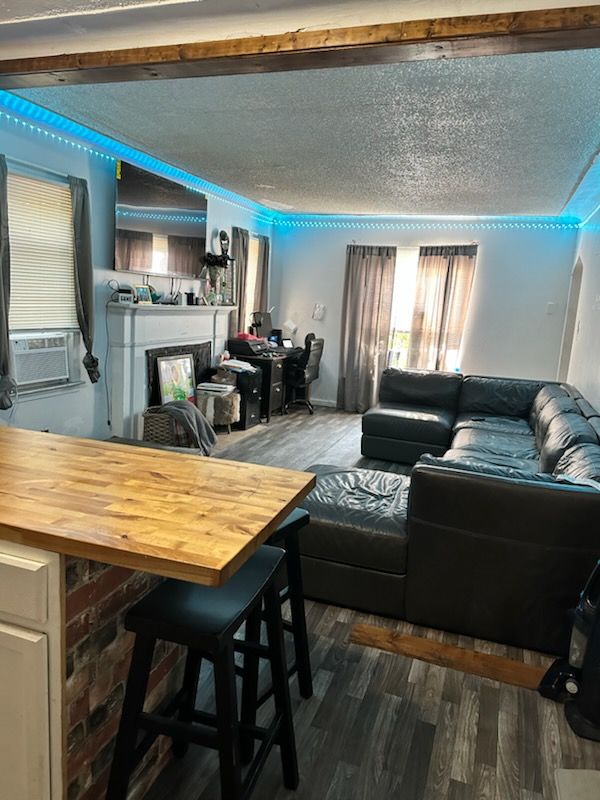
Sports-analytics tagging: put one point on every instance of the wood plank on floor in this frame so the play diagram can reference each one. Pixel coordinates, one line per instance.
(484, 665)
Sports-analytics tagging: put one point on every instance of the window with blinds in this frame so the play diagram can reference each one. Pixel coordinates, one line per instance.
(42, 274)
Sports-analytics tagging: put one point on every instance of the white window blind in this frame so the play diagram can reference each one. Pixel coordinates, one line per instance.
(42, 275)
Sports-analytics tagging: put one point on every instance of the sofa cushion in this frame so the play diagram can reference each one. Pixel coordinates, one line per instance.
(431, 389)
(581, 462)
(410, 423)
(483, 468)
(587, 409)
(563, 432)
(573, 391)
(513, 445)
(474, 457)
(504, 397)
(545, 394)
(489, 422)
(553, 408)
(357, 516)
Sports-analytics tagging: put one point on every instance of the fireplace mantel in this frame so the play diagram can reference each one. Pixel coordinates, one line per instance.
(132, 330)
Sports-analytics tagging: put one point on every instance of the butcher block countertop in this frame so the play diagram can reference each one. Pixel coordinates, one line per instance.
(197, 519)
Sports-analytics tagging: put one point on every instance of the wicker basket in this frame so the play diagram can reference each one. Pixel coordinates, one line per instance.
(160, 428)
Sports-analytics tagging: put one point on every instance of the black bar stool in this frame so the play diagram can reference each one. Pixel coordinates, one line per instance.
(205, 620)
(285, 536)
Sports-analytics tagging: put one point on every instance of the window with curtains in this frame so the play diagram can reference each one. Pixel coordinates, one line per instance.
(251, 255)
(42, 274)
(251, 278)
(42, 312)
(432, 288)
(403, 302)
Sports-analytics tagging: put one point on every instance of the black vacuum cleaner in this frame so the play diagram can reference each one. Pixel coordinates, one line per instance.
(575, 681)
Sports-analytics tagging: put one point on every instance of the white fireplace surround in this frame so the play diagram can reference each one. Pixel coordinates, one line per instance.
(133, 329)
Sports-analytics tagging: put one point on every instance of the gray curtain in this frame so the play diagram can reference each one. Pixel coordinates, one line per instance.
(184, 255)
(84, 273)
(7, 384)
(133, 250)
(366, 319)
(239, 252)
(444, 281)
(261, 291)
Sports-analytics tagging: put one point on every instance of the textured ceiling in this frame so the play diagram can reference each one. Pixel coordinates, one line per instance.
(505, 135)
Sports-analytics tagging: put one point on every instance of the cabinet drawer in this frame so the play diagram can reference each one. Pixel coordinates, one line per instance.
(276, 396)
(23, 587)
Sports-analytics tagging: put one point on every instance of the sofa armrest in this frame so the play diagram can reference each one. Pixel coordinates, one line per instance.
(498, 558)
(542, 512)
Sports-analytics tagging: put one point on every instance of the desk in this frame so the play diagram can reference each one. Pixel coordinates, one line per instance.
(197, 519)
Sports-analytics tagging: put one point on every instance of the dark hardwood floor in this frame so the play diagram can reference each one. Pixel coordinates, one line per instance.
(381, 726)
(298, 440)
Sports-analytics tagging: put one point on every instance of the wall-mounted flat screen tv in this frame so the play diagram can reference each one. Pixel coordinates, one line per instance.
(160, 226)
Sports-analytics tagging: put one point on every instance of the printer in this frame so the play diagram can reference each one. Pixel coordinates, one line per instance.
(243, 346)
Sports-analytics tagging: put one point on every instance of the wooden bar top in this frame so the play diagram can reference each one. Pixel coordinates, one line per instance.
(172, 514)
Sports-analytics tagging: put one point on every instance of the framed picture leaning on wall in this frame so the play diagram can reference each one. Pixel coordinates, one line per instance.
(176, 378)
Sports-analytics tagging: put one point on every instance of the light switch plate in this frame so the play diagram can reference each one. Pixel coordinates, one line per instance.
(319, 311)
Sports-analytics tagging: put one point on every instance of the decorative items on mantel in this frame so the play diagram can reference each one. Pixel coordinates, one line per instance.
(134, 329)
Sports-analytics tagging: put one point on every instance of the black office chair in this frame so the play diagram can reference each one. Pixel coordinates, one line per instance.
(301, 372)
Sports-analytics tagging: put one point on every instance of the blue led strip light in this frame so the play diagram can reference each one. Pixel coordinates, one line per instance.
(161, 217)
(440, 224)
(33, 118)
(33, 128)
(48, 124)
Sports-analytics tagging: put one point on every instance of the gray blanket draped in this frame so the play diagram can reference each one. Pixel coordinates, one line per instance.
(192, 420)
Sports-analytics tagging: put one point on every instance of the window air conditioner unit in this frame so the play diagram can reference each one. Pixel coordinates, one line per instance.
(40, 359)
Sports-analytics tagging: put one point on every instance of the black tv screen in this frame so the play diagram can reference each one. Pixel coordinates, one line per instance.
(160, 226)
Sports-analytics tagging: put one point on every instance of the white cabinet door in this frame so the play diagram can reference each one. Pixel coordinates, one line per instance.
(24, 713)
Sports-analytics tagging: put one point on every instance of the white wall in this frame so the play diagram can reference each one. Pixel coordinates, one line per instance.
(82, 410)
(584, 367)
(508, 331)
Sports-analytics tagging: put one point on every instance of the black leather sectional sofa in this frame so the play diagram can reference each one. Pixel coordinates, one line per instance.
(498, 526)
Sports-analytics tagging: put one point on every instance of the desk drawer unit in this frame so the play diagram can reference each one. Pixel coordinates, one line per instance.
(276, 402)
(249, 386)
(272, 383)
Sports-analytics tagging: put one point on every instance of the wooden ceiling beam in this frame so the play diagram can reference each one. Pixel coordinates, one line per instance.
(450, 37)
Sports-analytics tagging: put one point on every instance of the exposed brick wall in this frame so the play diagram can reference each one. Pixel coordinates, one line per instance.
(98, 651)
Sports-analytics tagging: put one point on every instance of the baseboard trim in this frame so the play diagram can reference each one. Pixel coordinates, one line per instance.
(327, 403)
